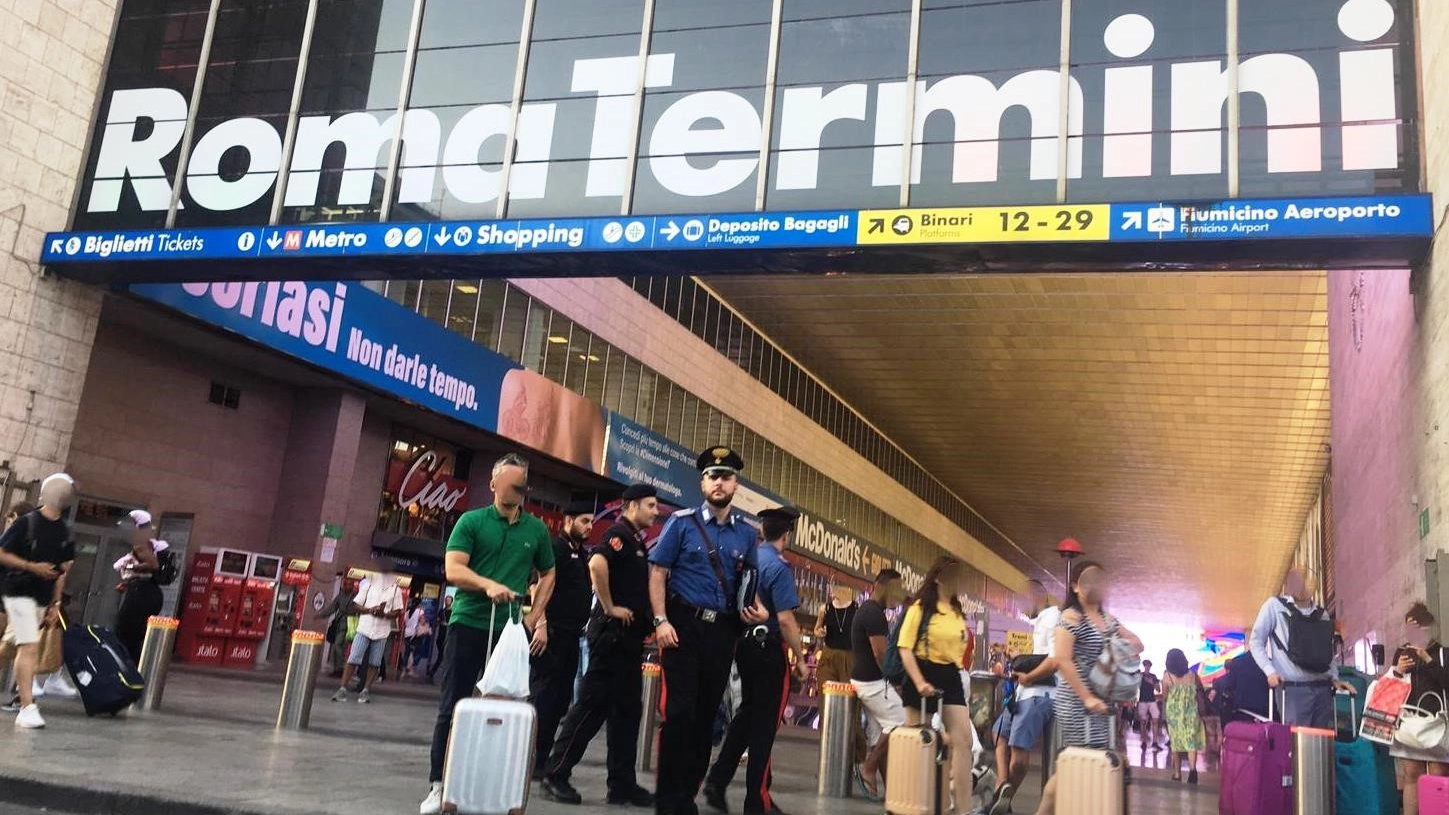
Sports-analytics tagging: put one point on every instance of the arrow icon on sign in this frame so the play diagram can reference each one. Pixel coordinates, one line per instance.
(876, 225)
(273, 242)
(670, 231)
(441, 236)
(1133, 220)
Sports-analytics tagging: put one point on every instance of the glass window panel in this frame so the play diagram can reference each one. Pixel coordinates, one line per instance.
(474, 75)
(594, 370)
(404, 293)
(563, 185)
(733, 57)
(827, 9)
(552, 63)
(450, 23)
(535, 340)
(580, 356)
(514, 322)
(682, 14)
(463, 307)
(560, 347)
(490, 311)
(707, 149)
(560, 19)
(835, 50)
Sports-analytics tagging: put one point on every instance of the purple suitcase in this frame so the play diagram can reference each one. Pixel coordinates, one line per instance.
(1257, 769)
(1433, 795)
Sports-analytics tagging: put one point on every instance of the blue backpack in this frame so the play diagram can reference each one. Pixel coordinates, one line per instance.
(893, 667)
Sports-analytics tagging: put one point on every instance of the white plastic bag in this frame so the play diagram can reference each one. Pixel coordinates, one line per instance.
(59, 686)
(507, 672)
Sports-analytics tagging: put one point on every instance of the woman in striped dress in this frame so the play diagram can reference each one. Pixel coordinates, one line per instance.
(1085, 629)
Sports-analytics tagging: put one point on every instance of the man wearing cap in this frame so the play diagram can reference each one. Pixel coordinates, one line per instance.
(379, 605)
(612, 689)
(141, 595)
(764, 673)
(694, 579)
(551, 673)
(489, 558)
(37, 552)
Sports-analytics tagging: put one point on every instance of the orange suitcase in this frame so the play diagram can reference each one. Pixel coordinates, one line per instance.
(1090, 782)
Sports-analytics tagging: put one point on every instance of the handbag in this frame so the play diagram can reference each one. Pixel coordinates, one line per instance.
(506, 674)
(1026, 663)
(49, 660)
(1117, 676)
(1422, 729)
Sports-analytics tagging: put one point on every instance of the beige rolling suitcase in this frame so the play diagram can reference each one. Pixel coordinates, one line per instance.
(917, 776)
(1090, 782)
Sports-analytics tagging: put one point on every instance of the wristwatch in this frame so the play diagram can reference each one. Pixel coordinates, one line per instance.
(660, 620)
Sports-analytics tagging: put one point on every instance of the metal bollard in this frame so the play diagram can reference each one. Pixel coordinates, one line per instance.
(649, 723)
(156, 659)
(301, 681)
(1314, 769)
(838, 716)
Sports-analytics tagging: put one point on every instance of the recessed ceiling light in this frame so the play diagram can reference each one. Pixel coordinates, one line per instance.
(467, 289)
(557, 340)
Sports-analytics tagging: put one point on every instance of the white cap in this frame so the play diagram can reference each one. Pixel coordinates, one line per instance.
(140, 518)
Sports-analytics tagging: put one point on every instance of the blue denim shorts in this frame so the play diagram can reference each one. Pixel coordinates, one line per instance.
(1025, 728)
(367, 650)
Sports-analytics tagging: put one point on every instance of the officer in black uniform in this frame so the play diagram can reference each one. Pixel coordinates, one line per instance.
(694, 578)
(613, 686)
(552, 673)
(764, 673)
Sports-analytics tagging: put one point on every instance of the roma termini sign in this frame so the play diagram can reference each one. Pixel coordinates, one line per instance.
(686, 120)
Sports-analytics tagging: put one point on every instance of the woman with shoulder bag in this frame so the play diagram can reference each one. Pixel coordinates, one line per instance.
(1422, 660)
(1185, 731)
(1084, 719)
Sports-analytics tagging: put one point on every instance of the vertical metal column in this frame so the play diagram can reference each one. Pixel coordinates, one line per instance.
(838, 716)
(649, 722)
(156, 659)
(1314, 772)
(306, 657)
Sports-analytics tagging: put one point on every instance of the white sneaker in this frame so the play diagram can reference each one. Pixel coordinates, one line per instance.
(433, 804)
(37, 689)
(364, 697)
(29, 718)
(340, 695)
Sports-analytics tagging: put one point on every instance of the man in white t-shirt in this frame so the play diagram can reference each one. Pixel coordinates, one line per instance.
(379, 604)
(1018, 732)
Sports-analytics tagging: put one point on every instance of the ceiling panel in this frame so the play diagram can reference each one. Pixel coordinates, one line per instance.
(1176, 424)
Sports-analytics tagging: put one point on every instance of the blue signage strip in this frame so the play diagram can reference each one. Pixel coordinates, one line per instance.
(1388, 216)
(1394, 216)
(357, 333)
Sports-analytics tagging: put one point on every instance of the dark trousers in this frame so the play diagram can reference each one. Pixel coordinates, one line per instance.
(463, 663)
(764, 690)
(551, 686)
(141, 601)
(695, 675)
(612, 692)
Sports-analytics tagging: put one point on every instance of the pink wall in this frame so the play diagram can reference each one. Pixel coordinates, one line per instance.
(146, 434)
(1372, 350)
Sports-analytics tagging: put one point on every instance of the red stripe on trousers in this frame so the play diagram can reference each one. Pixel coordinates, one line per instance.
(779, 717)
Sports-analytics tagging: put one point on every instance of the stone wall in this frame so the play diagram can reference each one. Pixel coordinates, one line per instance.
(51, 56)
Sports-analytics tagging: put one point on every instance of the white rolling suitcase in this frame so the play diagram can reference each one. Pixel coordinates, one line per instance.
(490, 757)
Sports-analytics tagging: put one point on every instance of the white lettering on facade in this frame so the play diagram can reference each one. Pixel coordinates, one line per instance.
(427, 487)
(706, 143)
(311, 315)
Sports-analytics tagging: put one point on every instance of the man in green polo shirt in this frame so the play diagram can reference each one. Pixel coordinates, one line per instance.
(490, 557)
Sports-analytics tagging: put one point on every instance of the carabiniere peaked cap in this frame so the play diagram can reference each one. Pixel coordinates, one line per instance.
(721, 458)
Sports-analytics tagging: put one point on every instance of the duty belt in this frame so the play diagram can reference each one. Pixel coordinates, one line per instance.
(707, 615)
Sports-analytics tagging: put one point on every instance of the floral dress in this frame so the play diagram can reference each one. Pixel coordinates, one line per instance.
(1184, 725)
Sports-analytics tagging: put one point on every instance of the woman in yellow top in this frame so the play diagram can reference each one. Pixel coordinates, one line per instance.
(933, 659)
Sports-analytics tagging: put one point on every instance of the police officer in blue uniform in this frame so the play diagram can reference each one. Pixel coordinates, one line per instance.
(695, 570)
(764, 673)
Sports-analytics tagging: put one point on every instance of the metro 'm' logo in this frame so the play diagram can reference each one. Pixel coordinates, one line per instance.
(707, 143)
(293, 240)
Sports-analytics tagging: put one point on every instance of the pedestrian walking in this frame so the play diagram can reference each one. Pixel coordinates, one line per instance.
(551, 673)
(764, 673)
(1149, 713)
(1186, 734)
(694, 580)
(1026, 718)
(337, 612)
(379, 606)
(489, 558)
(441, 638)
(881, 703)
(1083, 719)
(37, 552)
(140, 588)
(612, 688)
(1425, 663)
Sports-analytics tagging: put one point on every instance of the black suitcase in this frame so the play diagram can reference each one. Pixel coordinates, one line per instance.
(105, 676)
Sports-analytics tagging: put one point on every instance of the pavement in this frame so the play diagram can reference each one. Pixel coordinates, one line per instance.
(213, 750)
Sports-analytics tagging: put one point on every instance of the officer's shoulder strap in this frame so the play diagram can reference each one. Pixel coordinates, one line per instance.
(685, 513)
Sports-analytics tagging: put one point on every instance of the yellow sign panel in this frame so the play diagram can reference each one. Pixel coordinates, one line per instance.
(1064, 223)
(1018, 643)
